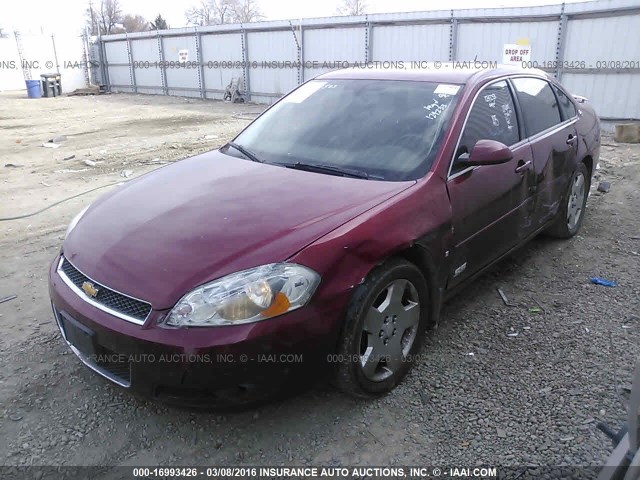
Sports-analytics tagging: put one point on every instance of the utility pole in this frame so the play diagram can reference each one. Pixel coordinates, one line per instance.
(55, 52)
(93, 19)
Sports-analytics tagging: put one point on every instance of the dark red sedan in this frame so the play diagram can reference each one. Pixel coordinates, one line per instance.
(328, 233)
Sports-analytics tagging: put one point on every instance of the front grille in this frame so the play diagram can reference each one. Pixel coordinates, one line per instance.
(117, 365)
(115, 301)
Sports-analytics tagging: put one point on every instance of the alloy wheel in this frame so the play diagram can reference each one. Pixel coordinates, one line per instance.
(575, 203)
(389, 330)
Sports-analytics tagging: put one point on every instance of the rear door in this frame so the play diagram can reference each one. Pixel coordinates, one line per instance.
(490, 202)
(549, 120)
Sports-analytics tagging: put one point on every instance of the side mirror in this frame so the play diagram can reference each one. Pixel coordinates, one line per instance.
(487, 152)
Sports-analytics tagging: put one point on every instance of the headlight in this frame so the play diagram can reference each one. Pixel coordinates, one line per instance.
(244, 297)
(75, 221)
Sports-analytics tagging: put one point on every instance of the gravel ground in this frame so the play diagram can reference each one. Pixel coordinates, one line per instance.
(496, 384)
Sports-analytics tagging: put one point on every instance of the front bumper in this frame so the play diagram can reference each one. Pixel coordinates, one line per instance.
(195, 366)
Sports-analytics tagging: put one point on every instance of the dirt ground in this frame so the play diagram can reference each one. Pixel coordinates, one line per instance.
(481, 395)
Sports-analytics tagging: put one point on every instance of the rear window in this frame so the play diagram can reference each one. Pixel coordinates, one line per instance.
(567, 107)
(538, 104)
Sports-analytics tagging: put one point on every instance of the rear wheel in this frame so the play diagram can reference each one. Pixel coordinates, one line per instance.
(574, 203)
(386, 321)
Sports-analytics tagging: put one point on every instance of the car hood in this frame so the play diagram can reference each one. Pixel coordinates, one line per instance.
(157, 237)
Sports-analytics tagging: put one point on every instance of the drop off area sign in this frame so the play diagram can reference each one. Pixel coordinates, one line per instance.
(514, 54)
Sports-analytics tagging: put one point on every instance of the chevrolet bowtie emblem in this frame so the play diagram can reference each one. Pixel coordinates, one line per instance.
(90, 289)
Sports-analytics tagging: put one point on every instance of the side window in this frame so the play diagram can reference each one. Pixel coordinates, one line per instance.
(492, 117)
(567, 107)
(538, 104)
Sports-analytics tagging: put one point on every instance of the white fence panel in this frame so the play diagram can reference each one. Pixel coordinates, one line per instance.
(119, 67)
(411, 43)
(485, 41)
(11, 77)
(335, 44)
(222, 56)
(42, 53)
(181, 80)
(596, 40)
(613, 95)
(329, 49)
(277, 50)
(597, 31)
(146, 59)
(71, 62)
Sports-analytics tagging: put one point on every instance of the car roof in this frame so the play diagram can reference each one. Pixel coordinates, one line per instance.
(447, 72)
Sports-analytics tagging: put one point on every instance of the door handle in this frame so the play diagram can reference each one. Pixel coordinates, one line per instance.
(523, 166)
(571, 140)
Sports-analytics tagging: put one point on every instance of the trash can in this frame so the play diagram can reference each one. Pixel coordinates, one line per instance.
(33, 89)
(51, 84)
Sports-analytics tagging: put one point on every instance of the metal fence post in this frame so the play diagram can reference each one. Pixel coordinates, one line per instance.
(368, 41)
(301, 54)
(132, 70)
(86, 52)
(245, 63)
(55, 53)
(163, 70)
(453, 38)
(298, 50)
(561, 42)
(201, 84)
(104, 66)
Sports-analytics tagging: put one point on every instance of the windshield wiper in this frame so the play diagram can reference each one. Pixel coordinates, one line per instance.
(330, 169)
(247, 153)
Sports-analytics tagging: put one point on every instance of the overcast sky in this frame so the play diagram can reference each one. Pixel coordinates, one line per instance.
(68, 15)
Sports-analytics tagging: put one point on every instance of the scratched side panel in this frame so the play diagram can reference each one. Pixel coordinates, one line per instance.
(555, 162)
(421, 215)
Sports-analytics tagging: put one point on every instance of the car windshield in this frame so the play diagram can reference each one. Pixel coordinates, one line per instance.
(378, 129)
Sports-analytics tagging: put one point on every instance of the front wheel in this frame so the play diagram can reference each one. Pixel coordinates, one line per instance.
(385, 325)
(574, 203)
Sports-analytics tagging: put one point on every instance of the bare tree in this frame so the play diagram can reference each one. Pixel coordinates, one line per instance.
(201, 14)
(134, 23)
(245, 11)
(110, 15)
(104, 17)
(352, 7)
(212, 12)
(218, 12)
(92, 19)
(223, 11)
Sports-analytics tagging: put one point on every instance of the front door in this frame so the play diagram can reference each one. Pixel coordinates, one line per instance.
(491, 204)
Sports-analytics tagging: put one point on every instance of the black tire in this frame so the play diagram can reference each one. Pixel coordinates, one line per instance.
(562, 227)
(349, 373)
